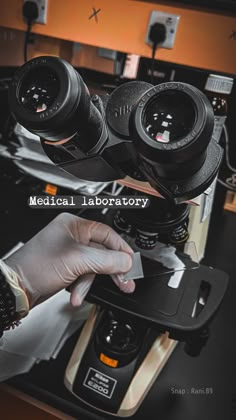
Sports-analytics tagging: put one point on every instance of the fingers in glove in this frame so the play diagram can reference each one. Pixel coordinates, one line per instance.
(106, 236)
(124, 286)
(80, 288)
(87, 231)
(102, 261)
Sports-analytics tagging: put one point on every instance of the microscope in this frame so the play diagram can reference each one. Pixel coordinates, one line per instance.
(161, 134)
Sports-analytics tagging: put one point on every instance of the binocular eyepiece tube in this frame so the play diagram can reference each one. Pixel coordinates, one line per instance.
(162, 132)
(50, 99)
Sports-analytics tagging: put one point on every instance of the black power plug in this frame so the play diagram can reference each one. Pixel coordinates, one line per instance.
(157, 34)
(30, 13)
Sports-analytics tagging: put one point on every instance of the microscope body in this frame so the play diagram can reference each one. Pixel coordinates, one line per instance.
(124, 147)
(127, 339)
(160, 134)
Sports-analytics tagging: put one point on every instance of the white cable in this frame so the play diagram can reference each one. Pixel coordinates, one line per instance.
(229, 183)
(227, 186)
(231, 168)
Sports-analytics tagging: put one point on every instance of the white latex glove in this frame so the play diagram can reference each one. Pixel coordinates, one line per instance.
(67, 249)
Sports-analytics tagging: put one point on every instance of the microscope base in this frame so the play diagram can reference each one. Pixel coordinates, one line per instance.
(139, 385)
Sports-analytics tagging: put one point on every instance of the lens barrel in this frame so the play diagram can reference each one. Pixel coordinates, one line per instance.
(161, 221)
(49, 98)
(172, 125)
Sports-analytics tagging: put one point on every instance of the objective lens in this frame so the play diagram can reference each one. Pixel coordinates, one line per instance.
(161, 221)
(169, 117)
(179, 235)
(39, 90)
(146, 240)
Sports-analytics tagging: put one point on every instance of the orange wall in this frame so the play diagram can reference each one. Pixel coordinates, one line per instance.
(203, 38)
(87, 57)
(12, 47)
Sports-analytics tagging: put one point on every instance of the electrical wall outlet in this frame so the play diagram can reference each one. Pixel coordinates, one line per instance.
(171, 23)
(42, 7)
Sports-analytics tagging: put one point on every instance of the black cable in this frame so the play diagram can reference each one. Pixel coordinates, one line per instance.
(30, 13)
(157, 35)
(27, 39)
(154, 48)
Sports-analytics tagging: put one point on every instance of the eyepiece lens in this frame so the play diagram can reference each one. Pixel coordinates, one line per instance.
(39, 89)
(169, 117)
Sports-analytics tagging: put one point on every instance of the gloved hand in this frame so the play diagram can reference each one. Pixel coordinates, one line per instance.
(68, 249)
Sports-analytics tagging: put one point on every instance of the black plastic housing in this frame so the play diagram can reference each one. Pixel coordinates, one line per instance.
(166, 308)
(104, 139)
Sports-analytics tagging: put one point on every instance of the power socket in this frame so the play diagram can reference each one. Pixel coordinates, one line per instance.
(42, 8)
(171, 23)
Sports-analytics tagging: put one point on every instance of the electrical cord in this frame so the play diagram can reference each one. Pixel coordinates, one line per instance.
(30, 13)
(154, 48)
(230, 182)
(226, 184)
(157, 35)
(27, 38)
(226, 138)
